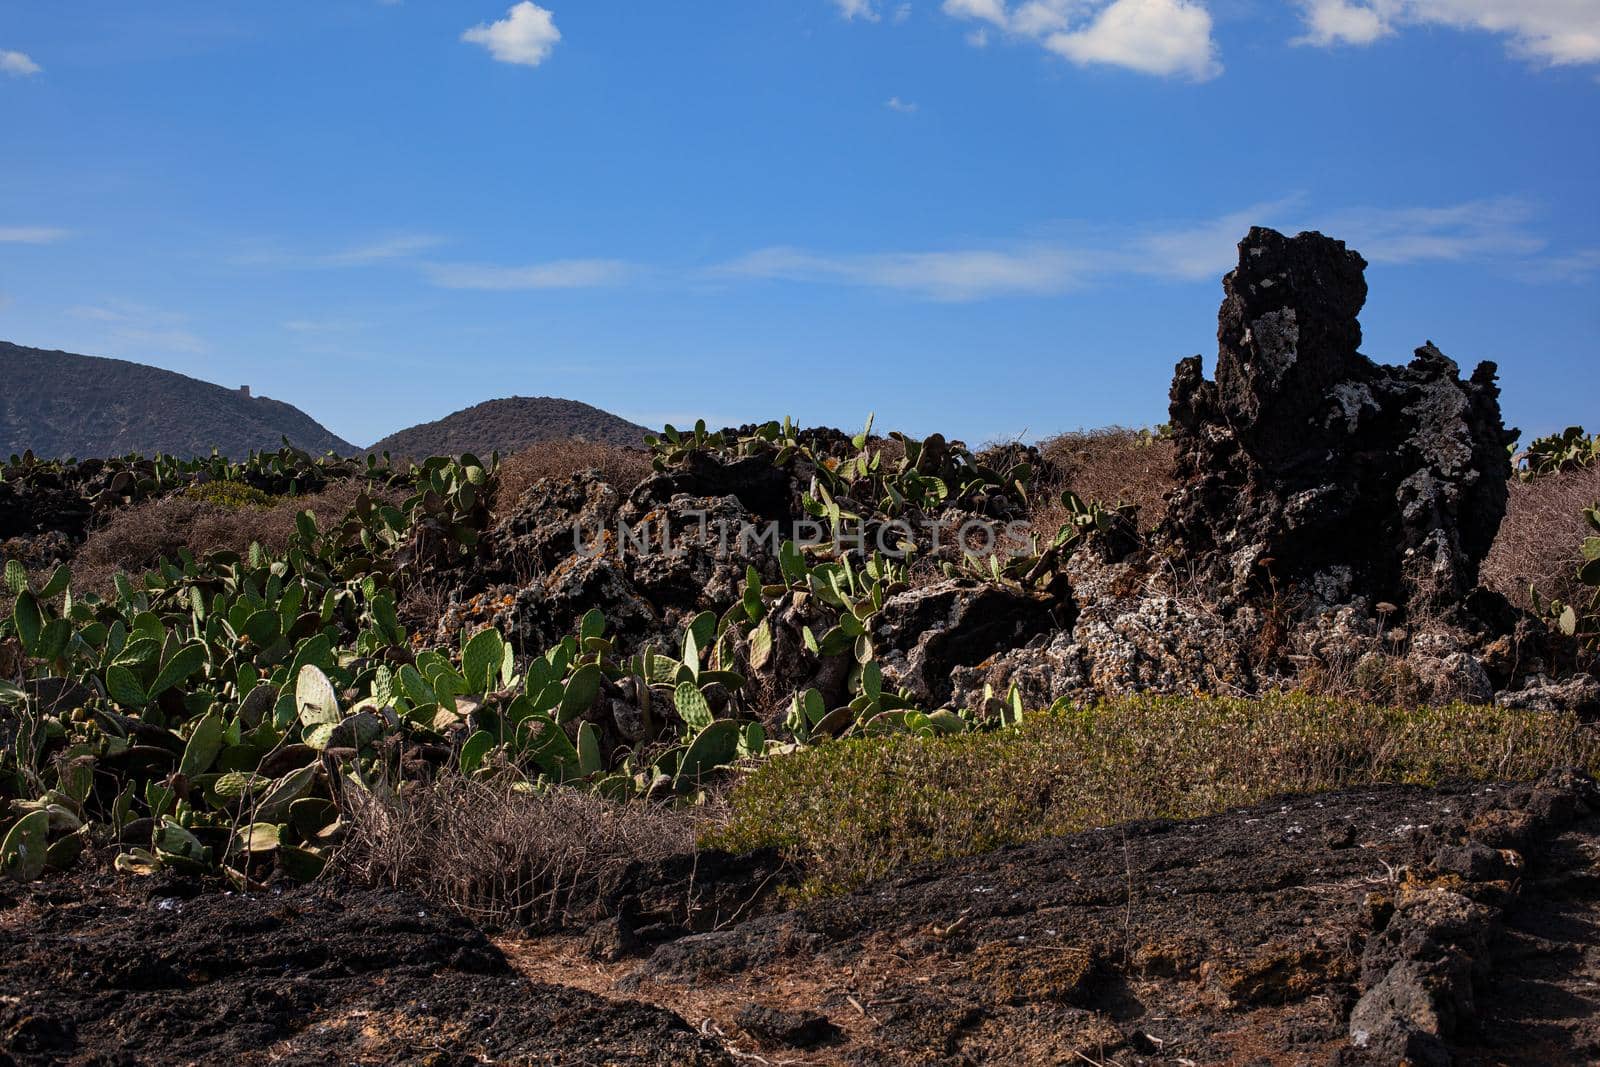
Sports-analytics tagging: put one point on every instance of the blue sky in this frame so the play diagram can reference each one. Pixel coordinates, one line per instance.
(985, 217)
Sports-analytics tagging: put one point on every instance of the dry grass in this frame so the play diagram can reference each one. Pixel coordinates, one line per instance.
(135, 539)
(622, 467)
(1114, 466)
(1541, 538)
(500, 855)
(854, 811)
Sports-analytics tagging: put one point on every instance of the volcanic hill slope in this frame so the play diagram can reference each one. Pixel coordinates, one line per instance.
(510, 425)
(59, 404)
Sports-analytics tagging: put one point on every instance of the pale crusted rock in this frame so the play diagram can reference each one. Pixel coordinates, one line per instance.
(1442, 663)
(923, 635)
(1579, 695)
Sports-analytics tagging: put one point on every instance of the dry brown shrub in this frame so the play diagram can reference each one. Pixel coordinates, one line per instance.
(1115, 465)
(622, 467)
(135, 539)
(1540, 541)
(501, 855)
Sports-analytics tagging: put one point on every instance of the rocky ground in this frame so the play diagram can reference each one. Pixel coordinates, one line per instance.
(1436, 926)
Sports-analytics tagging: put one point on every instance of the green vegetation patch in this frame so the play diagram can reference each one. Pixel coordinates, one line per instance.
(858, 810)
(235, 496)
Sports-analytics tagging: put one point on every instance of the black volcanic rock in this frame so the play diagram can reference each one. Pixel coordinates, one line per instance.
(510, 425)
(59, 404)
(1306, 462)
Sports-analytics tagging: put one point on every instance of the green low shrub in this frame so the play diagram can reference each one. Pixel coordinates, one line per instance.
(235, 496)
(858, 810)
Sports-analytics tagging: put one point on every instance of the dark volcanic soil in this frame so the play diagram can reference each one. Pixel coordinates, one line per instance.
(1450, 925)
(91, 974)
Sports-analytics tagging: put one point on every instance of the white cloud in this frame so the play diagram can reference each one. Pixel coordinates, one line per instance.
(902, 13)
(557, 274)
(857, 9)
(1036, 18)
(525, 36)
(1330, 22)
(18, 64)
(1162, 37)
(905, 107)
(1557, 32)
(986, 10)
(978, 38)
(32, 235)
(1550, 32)
(1168, 38)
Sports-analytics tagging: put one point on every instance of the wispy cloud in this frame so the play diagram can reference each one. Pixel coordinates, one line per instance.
(905, 107)
(556, 274)
(526, 36)
(1503, 231)
(1490, 230)
(391, 248)
(395, 248)
(956, 275)
(1487, 231)
(1200, 251)
(1579, 267)
(1477, 230)
(1166, 38)
(322, 326)
(32, 235)
(18, 64)
(1547, 32)
(130, 324)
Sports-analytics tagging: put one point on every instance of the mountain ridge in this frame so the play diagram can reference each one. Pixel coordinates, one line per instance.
(61, 404)
(510, 424)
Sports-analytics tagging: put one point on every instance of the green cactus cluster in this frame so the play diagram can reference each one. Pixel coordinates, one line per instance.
(1579, 620)
(449, 508)
(856, 476)
(107, 484)
(672, 447)
(1571, 449)
(1584, 620)
(217, 714)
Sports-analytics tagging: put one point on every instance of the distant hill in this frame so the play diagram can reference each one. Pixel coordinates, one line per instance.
(60, 404)
(510, 425)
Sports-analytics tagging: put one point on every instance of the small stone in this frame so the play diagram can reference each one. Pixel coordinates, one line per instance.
(1476, 862)
(611, 939)
(796, 1029)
